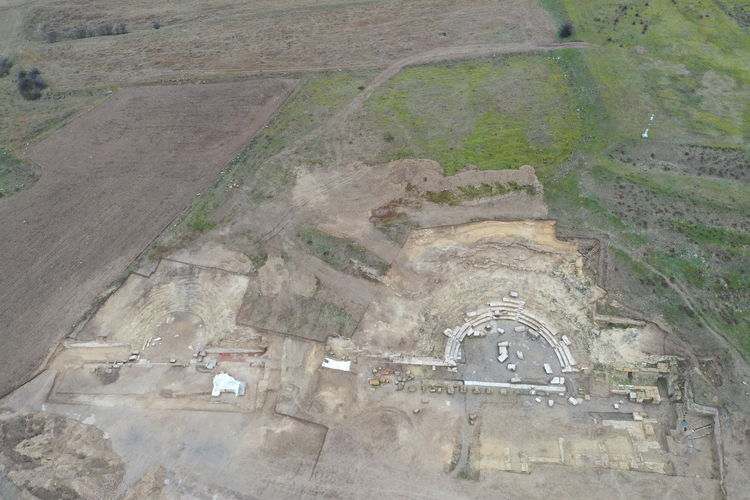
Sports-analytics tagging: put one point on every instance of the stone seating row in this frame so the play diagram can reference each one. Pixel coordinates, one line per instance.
(508, 309)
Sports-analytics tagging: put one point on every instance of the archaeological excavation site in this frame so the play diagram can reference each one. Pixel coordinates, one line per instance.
(476, 355)
(374, 249)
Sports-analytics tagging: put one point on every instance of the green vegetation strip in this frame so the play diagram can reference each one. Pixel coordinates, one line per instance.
(339, 252)
(468, 193)
(718, 236)
(310, 318)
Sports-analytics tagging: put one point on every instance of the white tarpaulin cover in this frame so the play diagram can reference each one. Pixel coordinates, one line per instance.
(336, 365)
(223, 382)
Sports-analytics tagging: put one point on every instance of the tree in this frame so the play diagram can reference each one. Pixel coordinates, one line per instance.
(30, 84)
(566, 30)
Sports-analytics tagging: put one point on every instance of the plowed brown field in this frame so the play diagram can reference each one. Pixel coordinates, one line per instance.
(112, 181)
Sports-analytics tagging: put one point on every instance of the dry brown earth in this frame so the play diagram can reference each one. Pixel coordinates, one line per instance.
(111, 182)
(200, 39)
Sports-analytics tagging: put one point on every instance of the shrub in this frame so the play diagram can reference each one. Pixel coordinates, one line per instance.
(30, 84)
(53, 36)
(81, 32)
(5, 65)
(105, 29)
(156, 24)
(566, 30)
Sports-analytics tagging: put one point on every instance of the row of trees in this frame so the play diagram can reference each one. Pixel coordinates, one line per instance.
(106, 29)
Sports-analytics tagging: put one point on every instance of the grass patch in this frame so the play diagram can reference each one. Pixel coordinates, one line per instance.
(397, 229)
(496, 114)
(318, 320)
(683, 61)
(308, 317)
(470, 192)
(716, 236)
(198, 220)
(15, 175)
(339, 252)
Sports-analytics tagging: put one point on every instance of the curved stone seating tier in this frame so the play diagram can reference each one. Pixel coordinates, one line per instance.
(565, 349)
(511, 310)
(532, 322)
(481, 319)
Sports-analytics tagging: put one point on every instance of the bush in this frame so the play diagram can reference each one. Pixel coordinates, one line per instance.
(30, 84)
(105, 29)
(5, 65)
(156, 24)
(566, 30)
(81, 32)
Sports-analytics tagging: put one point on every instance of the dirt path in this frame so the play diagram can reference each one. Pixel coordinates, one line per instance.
(10, 25)
(340, 119)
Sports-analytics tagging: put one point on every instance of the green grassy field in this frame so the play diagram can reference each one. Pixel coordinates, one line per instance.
(679, 206)
(495, 114)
